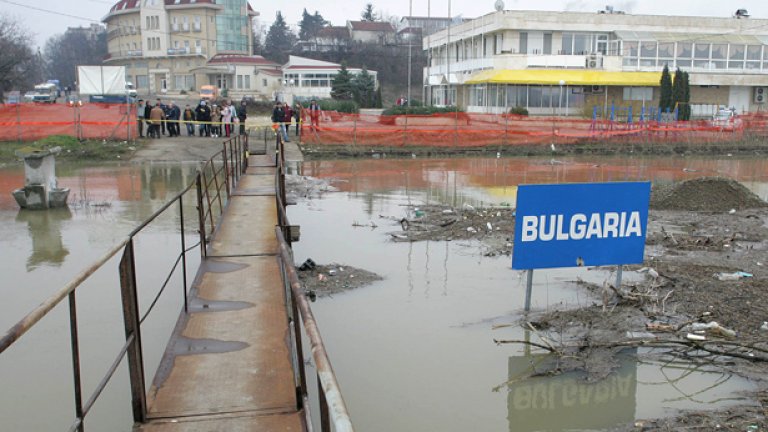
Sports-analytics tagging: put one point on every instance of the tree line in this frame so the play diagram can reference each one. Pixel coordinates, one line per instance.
(388, 60)
(22, 65)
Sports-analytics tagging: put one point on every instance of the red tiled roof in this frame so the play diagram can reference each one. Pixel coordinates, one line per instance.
(125, 4)
(333, 33)
(134, 4)
(241, 59)
(375, 26)
(183, 2)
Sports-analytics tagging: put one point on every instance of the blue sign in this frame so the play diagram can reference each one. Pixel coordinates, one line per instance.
(580, 224)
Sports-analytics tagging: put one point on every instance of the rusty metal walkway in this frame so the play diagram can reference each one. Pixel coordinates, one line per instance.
(229, 365)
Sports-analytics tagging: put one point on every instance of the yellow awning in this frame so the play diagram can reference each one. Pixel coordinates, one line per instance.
(571, 77)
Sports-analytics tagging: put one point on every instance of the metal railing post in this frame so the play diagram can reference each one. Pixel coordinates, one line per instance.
(227, 183)
(325, 421)
(183, 252)
(76, 374)
(133, 328)
(201, 213)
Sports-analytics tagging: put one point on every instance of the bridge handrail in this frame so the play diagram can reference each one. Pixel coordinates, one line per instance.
(233, 148)
(329, 391)
(326, 377)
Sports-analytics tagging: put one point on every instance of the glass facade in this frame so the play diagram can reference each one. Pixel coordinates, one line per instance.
(232, 30)
(526, 96)
(694, 55)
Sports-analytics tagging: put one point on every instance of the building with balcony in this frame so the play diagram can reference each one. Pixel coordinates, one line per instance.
(572, 62)
(165, 45)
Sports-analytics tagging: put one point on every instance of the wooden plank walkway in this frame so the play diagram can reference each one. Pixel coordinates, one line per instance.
(228, 365)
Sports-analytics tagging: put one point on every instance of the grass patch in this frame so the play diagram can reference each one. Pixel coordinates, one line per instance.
(72, 149)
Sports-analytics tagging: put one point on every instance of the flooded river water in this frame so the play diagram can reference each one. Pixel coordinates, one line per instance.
(413, 352)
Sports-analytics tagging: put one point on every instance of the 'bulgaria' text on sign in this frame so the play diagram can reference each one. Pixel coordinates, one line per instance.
(590, 224)
(581, 226)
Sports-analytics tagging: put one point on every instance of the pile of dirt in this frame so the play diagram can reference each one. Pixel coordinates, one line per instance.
(325, 280)
(713, 194)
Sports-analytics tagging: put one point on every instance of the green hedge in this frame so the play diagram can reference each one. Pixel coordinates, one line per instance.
(342, 106)
(419, 110)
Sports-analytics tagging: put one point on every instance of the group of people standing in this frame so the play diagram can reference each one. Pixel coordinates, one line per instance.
(283, 115)
(213, 121)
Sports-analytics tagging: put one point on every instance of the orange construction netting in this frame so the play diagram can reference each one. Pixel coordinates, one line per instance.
(33, 121)
(462, 130)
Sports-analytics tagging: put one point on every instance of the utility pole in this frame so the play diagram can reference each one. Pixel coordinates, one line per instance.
(448, 58)
(410, 46)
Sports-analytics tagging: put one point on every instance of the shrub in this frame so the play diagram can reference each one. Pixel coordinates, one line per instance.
(342, 106)
(419, 110)
(518, 110)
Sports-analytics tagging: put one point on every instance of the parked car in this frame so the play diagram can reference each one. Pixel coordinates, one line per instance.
(726, 119)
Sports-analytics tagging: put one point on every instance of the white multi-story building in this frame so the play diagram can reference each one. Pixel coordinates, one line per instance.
(175, 46)
(571, 62)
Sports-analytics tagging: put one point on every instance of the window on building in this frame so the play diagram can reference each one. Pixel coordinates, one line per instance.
(638, 93)
(523, 48)
(246, 81)
(581, 44)
(264, 82)
(567, 47)
(547, 43)
(666, 50)
(240, 81)
(754, 54)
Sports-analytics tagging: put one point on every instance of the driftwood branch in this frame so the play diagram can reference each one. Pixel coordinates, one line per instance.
(742, 350)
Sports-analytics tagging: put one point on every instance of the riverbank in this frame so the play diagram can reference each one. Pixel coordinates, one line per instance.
(748, 145)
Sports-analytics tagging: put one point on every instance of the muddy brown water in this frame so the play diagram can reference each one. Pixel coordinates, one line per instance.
(413, 352)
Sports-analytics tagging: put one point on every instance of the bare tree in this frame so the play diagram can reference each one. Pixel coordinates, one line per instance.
(20, 66)
(63, 53)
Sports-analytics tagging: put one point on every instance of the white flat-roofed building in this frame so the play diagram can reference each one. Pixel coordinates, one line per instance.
(553, 62)
(305, 79)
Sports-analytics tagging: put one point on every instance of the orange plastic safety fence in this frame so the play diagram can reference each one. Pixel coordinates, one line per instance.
(34, 121)
(482, 130)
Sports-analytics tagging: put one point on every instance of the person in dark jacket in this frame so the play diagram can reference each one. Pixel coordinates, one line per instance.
(147, 111)
(242, 115)
(278, 118)
(297, 115)
(203, 116)
(174, 114)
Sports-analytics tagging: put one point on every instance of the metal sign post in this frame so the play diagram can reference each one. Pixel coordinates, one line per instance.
(579, 224)
(528, 290)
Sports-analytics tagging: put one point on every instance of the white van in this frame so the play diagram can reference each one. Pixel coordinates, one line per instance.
(131, 89)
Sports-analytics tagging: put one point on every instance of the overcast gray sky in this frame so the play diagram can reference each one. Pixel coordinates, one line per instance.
(45, 18)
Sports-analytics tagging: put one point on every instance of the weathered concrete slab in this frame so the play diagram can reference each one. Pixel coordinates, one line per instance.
(291, 422)
(256, 185)
(232, 354)
(248, 228)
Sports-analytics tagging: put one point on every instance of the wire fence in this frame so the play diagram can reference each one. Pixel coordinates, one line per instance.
(491, 130)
